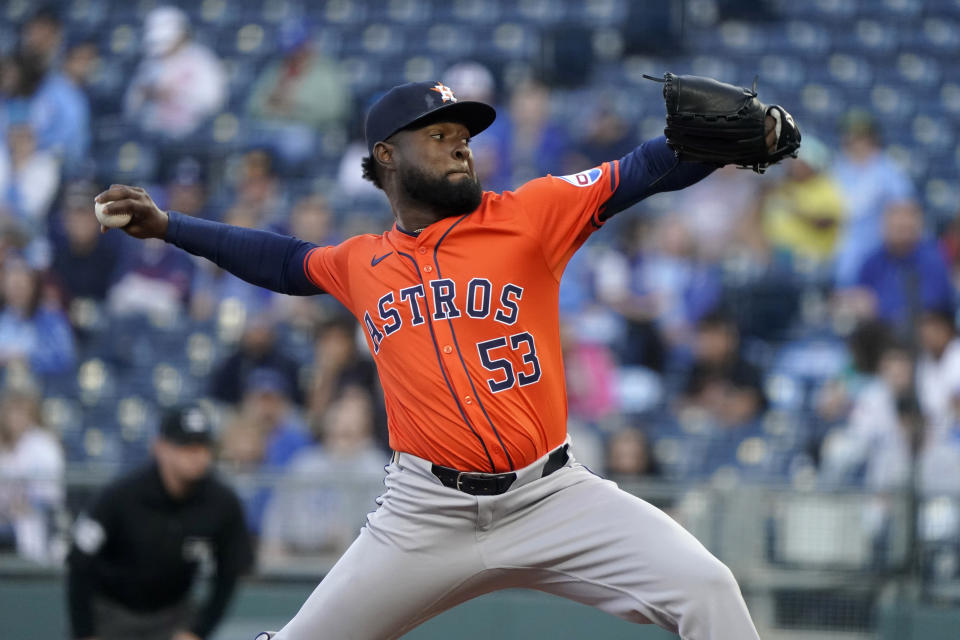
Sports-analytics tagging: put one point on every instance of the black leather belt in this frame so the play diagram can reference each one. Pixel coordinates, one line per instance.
(493, 484)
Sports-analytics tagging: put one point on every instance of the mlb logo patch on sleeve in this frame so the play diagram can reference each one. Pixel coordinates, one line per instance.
(584, 178)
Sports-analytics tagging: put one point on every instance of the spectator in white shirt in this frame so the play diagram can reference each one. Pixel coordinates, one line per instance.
(31, 474)
(938, 368)
(29, 179)
(873, 419)
(179, 84)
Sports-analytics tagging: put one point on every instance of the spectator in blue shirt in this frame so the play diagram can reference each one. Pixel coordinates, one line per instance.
(52, 95)
(33, 329)
(60, 110)
(870, 180)
(907, 273)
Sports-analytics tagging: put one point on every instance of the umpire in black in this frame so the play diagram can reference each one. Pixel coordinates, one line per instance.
(148, 535)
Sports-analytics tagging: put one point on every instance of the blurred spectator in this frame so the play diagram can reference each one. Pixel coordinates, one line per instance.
(873, 419)
(950, 246)
(312, 220)
(802, 214)
(537, 144)
(31, 474)
(714, 210)
(179, 84)
(33, 328)
(213, 287)
(154, 277)
(608, 137)
(890, 456)
(938, 367)
(260, 190)
(299, 94)
(591, 377)
(49, 93)
(721, 384)
(905, 275)
(870, 181)
(629, 455)
(866, 344)
(267, 428)
(84, 260)
(147, 537)
(60, 111)
(907, 455)
(350, 181)
(661, 288)
(337, 365)
(329, 488)
(41, 37)
(186, 187)
(29, 178)
(258, 349)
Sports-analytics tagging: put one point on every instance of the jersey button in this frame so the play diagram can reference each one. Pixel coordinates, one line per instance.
(428, 269)
(467, 400)
(448, 349)
(422, 249)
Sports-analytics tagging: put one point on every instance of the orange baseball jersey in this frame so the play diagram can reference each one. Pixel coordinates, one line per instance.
(462, 320)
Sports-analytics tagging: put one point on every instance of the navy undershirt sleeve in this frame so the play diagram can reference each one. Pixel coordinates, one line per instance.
(263, 258)
(651, 168)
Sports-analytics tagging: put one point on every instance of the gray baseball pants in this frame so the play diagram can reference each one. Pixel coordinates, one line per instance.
(428, 548)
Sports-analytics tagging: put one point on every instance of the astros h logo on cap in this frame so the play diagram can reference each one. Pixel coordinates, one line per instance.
(445, 92)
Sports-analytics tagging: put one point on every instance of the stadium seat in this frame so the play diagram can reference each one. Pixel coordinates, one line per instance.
(918, 70)
(170, 385)
(127, 162)
(409, 12)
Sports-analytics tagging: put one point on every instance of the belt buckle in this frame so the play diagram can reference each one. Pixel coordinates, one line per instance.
(468, 474)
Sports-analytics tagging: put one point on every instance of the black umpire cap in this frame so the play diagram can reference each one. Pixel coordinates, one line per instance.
(189, 424)
(413, 103)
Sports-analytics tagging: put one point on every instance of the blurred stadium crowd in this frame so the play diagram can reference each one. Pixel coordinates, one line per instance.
(793, 328)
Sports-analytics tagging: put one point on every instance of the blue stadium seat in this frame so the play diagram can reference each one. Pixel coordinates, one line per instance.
(941, 195)
(781, 72)
(408, 12)
(848, 71)
(936, 36)
(84, 15)
(102, 445)
(933, 134)
(873, 37)
(602, 13)
(96, 382)
(338, 12)
(898, 11)
(16, 11)
(128, 162)
(919, 70)
(363, 74)
(252, 40)
(799, 37)
(890, 102)
(474, 12)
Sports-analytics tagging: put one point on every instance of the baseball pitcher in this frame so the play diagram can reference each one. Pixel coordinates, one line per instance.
(459, 304)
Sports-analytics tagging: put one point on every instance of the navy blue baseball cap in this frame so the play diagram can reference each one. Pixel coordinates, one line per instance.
(408, 104)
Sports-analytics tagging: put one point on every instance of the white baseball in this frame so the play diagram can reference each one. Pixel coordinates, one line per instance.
(110, 219)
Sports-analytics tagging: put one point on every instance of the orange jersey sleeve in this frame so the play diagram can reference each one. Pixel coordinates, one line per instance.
(562, 211)
(328, 268)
